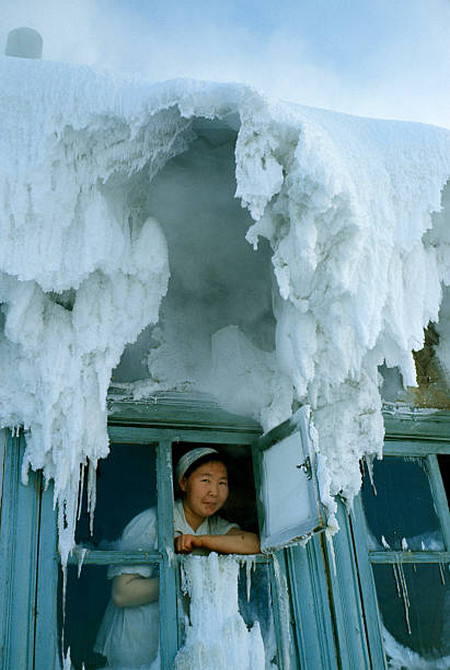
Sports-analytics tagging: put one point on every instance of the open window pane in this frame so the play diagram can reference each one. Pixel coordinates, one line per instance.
(399, 507)
(414, 603)
(102, 635)
(289, 506)
(126, 485)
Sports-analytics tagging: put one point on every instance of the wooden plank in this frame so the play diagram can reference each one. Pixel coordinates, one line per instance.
(19, 542)
(80, 556)
(415, 423)
(371, 612)
(46, 654)
(152, 435)
(168, 579)
(287, 651)
(414, 448)
(349, 616)
(171, 409)
(312, 615)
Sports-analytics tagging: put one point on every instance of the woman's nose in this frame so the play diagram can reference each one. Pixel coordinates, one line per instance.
(214, 490)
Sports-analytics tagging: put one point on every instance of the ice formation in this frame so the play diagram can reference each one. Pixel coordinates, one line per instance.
(351, 245)
(403, 658)
(217, 637)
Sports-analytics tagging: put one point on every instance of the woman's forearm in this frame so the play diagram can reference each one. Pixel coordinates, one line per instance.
(132, 590)
(234, 542)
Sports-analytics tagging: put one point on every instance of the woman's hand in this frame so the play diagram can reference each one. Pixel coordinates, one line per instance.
(184, 544)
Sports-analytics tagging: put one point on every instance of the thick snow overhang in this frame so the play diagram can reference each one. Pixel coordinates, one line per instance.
(350, 208)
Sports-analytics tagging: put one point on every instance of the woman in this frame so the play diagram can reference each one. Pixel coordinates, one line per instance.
(129, 633)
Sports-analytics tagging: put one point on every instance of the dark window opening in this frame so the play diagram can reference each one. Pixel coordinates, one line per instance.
(241, 504)
(444, 465)
(402, 509)
(126, 485)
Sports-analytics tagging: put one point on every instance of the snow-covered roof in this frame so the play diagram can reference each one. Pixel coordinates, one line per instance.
(351, 209)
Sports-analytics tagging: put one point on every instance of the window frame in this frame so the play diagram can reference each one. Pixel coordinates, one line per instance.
(408, 434)
(163, 438)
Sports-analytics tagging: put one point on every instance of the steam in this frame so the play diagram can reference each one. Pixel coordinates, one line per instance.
(384, 60)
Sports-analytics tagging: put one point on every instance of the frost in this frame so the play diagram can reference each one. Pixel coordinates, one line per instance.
(217, 637)
(403, 658)
(350, 239)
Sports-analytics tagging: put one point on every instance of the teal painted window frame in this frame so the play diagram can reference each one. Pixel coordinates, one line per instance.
(162, 438)
(410, 434)
(29, 567)
(326, 629)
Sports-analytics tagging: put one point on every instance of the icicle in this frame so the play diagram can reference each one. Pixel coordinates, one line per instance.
(369, 464)
(80, 492)
(385, 543)
(67, 661)
(249, 566)
(404, 544)
(329, 536)
(81, 557)
(402, 591)
(92, 493)
(405, 596)
(442, 572)
(397, 580)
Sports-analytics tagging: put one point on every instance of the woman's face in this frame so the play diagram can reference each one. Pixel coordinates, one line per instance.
(206, 491)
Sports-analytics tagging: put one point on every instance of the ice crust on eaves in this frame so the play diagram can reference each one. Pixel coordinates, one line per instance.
(351, 208)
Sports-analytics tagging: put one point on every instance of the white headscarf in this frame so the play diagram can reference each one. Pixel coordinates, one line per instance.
(189, 458)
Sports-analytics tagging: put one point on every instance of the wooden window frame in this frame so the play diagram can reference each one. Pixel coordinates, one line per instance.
(408, 433)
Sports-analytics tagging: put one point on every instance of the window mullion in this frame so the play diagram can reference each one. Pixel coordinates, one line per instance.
(168, 595)
(440, 497)
(390, 557)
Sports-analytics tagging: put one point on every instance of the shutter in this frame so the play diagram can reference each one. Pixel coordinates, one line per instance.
(289, 508)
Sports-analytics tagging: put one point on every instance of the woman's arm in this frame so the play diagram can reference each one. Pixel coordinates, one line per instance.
(236, 541)
(131, 590)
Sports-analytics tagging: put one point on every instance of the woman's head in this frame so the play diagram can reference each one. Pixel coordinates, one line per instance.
(202, 476)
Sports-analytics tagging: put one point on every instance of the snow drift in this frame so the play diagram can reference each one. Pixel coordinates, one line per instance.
(350, 207)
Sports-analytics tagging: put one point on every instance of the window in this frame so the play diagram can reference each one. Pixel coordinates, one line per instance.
(283, 593)
(138, 476)
(406, 511)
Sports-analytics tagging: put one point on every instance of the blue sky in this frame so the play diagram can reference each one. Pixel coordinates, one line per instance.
(385, 58)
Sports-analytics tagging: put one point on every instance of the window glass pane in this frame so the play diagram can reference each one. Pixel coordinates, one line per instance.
(126, 485)
(415, 605)
(444, 465)
(400, 505)
(256, 606)
(99, 633)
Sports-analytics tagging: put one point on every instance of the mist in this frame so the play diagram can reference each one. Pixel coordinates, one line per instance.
(388, 60)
